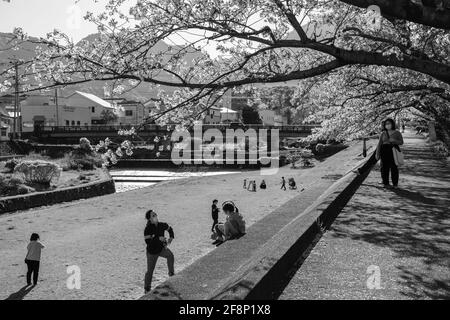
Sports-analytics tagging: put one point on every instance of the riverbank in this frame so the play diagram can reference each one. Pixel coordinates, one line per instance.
(103, 235)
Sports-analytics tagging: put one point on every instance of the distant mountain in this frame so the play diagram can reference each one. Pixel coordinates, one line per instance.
(143, 92)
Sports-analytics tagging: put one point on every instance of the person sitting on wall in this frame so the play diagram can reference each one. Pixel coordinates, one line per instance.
(234, 226)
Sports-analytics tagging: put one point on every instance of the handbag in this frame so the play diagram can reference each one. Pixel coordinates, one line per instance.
(398, 154)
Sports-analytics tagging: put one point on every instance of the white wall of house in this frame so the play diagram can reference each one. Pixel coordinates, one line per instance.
(212, 116)
(49, 115)
(133, 114)
(228, 115)
(267, 117)
(75, 110)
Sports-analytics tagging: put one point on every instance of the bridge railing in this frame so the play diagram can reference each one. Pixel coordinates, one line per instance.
(169, 127)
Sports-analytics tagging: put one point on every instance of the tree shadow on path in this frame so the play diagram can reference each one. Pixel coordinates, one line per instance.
(412, 221)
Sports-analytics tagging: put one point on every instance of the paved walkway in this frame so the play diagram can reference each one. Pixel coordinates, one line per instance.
(386, 243)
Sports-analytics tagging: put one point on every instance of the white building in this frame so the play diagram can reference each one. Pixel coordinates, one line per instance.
(272, 118)
(228, 115)
(267, 117)
(213, 115)
(78, 109)
(132, 112)
(5, 124)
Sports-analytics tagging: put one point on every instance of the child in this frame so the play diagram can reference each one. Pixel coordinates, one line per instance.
(33, 258)
(262, 185)
(292, 184)
(234, 226)
(214, 214)
(283, 184)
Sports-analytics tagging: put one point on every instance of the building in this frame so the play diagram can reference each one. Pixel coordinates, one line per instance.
(272, 118)
(8, 114)
(78, 109)
(132, 112)
(213, 115)
(6, 124)
(267, 117)
(228, 115)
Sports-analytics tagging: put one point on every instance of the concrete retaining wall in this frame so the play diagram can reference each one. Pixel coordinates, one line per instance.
(37, 199)
(245, 269)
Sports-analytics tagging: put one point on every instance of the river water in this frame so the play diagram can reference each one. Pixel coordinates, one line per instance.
(131, 179)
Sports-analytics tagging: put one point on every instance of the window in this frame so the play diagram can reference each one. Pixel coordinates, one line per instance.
(3, 132)
(73, 122)
(78, 123)
(128, 113)
(67, 123)
(93, 109)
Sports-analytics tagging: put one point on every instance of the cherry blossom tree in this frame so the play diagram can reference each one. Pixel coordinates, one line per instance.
(235, 44)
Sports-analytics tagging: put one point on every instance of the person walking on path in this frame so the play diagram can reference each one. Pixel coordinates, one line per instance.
(214, 214)
(157, 246)
(33, 258)
(390, 138)
(283, 184)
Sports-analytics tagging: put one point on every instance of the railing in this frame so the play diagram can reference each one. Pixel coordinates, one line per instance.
(169, 127)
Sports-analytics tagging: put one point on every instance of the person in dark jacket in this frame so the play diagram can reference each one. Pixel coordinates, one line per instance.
(389, 138)
(154, 235)
(214, 214)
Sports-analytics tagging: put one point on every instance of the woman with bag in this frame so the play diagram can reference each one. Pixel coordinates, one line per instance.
(389, 152)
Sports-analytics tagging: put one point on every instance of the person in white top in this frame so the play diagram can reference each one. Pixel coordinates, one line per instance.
(33, 258)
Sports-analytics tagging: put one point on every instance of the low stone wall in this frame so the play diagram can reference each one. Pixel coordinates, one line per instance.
(258, 265)
(37, 199)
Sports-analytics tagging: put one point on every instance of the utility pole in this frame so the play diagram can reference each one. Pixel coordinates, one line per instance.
(57, 107)
(16, 99)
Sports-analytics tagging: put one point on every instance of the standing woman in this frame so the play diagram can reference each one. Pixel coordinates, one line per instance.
(33, 258)
(389, 138)
(157, 246)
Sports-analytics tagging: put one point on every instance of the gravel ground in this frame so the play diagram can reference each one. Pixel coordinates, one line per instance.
(104, 235)
(400, 237)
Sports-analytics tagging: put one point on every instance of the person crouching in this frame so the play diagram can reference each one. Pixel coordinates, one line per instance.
(234, 226)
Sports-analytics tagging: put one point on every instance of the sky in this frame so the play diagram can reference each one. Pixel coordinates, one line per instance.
(38, 17)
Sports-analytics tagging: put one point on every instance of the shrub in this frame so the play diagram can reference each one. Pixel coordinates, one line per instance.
(292, 157)
(11, 186)
(76, 161)
(37, 171)
(24, 189)
(11, 164)
(320, 148)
